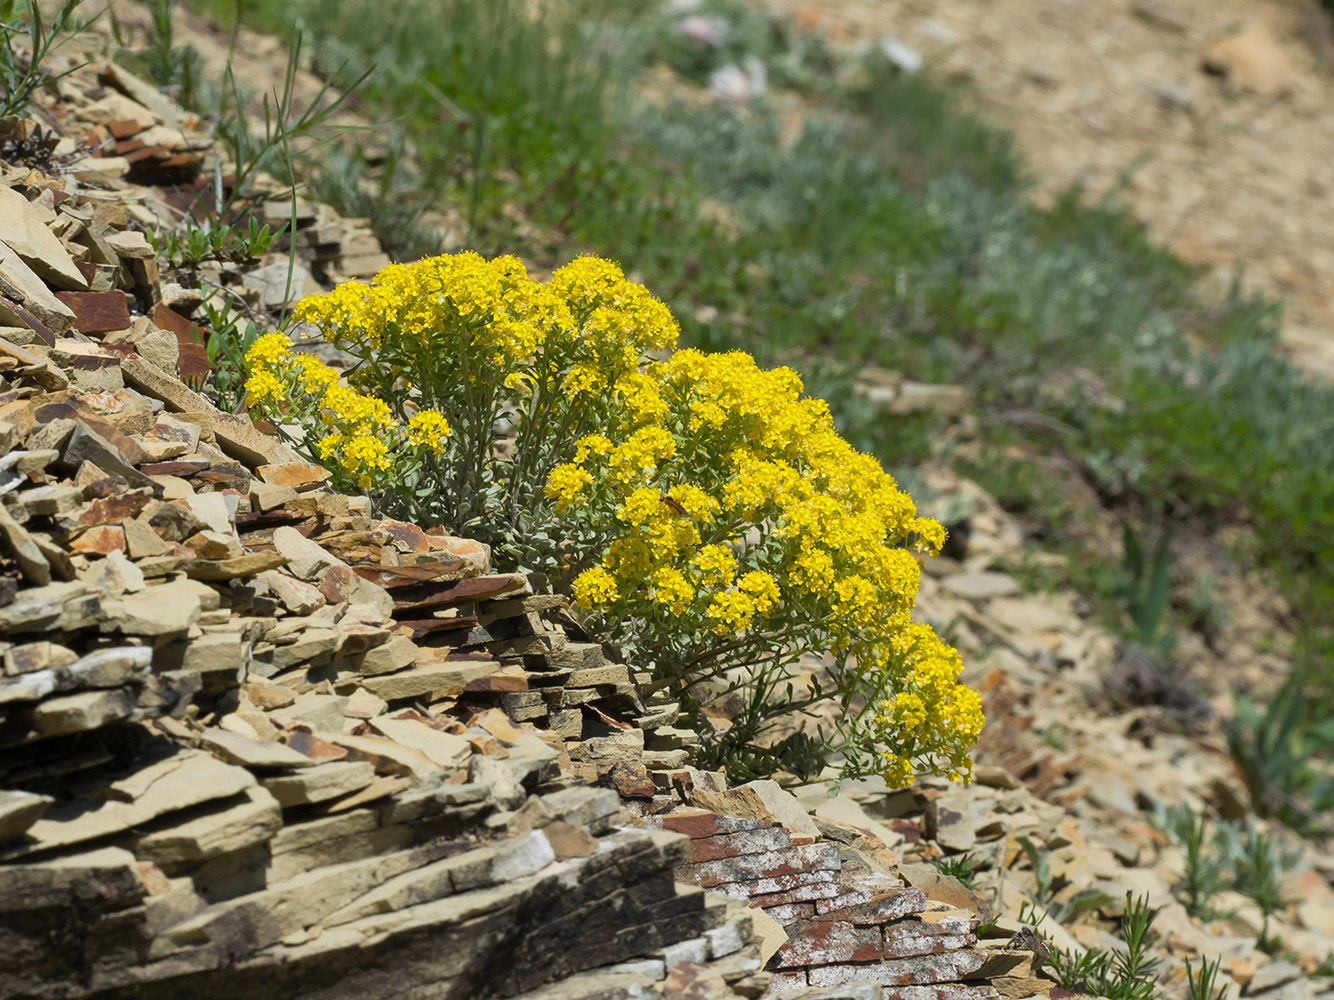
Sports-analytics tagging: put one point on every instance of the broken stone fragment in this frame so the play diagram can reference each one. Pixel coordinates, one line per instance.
(57, 607)
(19, 282)
(297, 597)
(319, 711)
(26, 233)
(268, 496)
(99, 541)
(445, 750)
(298, 476)
(33, 656)
(761, 800)
(47, 501)
(94, 312)
(214, 545)
(18, 811)
(361, 704)
(255, 819)
(306, 559)
(170, 438)
(254, 754)
(103, 880)
(211, 510)
(131, 245)
(156, 611)
(221, 657)
(86, 445)
(20, 545)
(387, 756)
(397, 653)
(116, 107)
(443, 679)
(320, 783)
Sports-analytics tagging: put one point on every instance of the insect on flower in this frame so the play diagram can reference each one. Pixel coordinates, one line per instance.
(677, 509)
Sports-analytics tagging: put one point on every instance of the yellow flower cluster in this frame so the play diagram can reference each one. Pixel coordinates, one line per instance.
(735, 503)
(363, 438)
(488, 322)
(492, 304)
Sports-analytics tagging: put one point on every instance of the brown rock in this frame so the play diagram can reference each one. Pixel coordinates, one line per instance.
(102, 540)
(182, 779)
(33, 366)
(761, 800)
(250, 753)
(20, 545)
(97, 312)
(131, 244)
(20, 283)
(253, 821)
(88, 445)
(945, 888)
(234, 568)
(320, 782)
(315, 748)
(154, 382)
(297, 597)
(141, 540)
(299, 476)
(632, 780)
(20, 810)
(1253, 60)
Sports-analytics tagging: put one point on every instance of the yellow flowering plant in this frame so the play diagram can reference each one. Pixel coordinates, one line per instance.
(705, 517)
(452, 353)
(356, 435)
(745, 537)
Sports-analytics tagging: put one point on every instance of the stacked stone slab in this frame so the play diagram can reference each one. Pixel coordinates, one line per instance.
(845, 926)
(434, 890)
(325, 788)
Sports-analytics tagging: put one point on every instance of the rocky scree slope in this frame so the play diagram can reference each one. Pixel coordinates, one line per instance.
(253, 737)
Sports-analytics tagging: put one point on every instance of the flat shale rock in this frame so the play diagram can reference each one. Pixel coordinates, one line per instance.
(237, 825)
(180, 779)
(249, 753)
(321, 782)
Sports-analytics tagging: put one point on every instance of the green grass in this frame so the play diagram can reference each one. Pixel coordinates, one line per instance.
(893, 229)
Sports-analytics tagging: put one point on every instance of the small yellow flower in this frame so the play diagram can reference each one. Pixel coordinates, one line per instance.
(717, 565)
(761, 588)
(261, 387)
(365, 455)
(731, 611)
(594, 587)
(428, 429)
(671, 589)
(565, 484)
(269, 349)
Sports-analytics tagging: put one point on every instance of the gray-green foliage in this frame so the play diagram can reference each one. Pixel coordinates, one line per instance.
(1286, 754)
(1229, 855)
(1042, 901)
(1202, 981)
(174, 67)
(26, 39)
(1206, 870)
(231, 335)
(1148, 586)
(1129, 974)
(961, 866)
